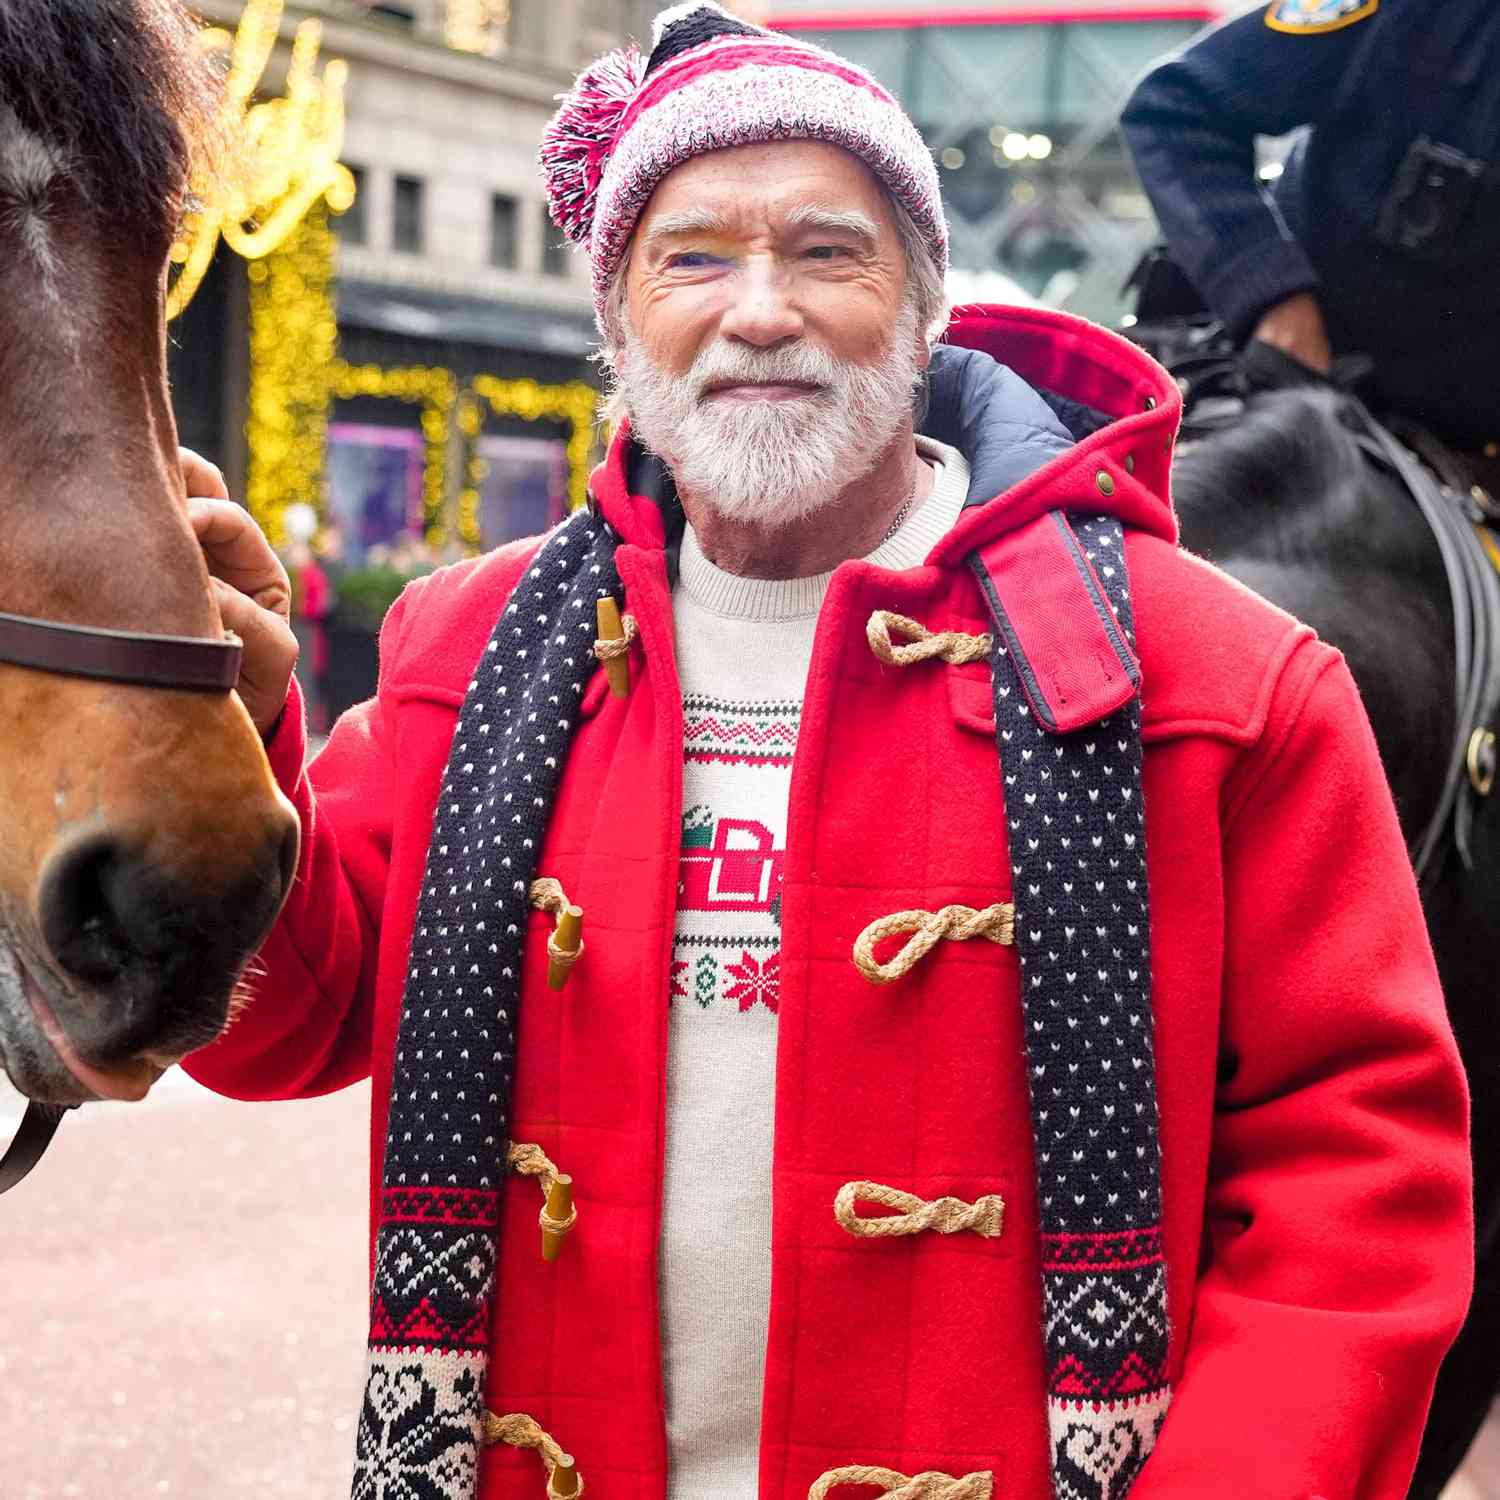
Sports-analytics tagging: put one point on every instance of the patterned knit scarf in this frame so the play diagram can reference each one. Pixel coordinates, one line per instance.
(1077, 834)
(1085, 972)
(436, 1238)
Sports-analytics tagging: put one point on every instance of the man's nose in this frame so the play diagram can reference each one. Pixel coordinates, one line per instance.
(765, 311)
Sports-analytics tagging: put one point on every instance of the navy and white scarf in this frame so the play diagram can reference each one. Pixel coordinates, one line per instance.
(1085, 972)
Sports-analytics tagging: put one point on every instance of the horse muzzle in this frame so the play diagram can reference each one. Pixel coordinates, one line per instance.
(129, 965)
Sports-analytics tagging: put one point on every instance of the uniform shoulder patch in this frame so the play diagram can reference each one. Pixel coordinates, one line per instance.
(1309, 17)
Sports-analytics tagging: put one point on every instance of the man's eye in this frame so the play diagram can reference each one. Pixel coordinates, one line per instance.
(828, 252)
(694, 260)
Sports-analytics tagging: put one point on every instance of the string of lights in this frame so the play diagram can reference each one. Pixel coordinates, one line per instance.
(293, 344)
(573, 404)
(435, 390)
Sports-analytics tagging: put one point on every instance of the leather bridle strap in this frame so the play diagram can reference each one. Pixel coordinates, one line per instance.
(181, 663)
(1474, 594)
(38, 1125)
(186, 663)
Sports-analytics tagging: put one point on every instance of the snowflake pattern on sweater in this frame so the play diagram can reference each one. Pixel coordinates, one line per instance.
(737, 762)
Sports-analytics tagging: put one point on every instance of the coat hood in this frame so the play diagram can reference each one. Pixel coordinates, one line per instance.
(1051, 412)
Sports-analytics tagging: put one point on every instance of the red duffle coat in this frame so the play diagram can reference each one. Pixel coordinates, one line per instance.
(1313, 1113)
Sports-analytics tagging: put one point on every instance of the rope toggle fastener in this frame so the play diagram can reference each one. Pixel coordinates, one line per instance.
(565, 946)
(985, 1216)
(564, 1482)
(931, 1485)
(951, 646)
(558, 1215)
(927, 929)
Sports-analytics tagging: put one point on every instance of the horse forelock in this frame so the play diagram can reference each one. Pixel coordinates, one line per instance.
(102, 104)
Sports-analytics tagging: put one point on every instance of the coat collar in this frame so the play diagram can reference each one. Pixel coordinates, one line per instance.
(1050, 410)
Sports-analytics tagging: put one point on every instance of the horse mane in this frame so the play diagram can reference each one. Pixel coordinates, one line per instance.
(102, 102)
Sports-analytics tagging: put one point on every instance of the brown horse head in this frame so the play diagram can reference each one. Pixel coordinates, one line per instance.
(144, 847)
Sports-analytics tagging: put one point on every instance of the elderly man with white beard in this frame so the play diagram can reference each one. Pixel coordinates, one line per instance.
(1005, 1057)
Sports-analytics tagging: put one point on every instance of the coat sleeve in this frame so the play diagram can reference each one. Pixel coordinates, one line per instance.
(305, 1025)
(1338, 1241)
(1191, 126)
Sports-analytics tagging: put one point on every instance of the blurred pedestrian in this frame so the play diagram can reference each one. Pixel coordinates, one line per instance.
(313, 602)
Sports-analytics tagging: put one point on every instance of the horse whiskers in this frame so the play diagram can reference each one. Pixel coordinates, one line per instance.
(241, 996)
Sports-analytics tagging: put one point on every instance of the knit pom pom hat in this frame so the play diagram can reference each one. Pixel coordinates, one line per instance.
(712, 82)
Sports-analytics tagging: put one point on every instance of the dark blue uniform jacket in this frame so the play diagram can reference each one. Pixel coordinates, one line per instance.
(1388, 208)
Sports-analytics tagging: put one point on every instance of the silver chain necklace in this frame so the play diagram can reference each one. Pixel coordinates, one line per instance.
(900, 518)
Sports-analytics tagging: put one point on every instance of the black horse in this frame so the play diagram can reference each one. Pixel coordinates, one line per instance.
(1284, 497)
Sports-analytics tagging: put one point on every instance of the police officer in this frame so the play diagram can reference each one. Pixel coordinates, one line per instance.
(1382, 234)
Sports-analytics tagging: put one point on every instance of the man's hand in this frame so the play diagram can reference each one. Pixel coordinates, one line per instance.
(1296, 327)
(251, 588)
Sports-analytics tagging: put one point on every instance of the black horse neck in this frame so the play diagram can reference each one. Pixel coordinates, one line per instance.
(1285, 501)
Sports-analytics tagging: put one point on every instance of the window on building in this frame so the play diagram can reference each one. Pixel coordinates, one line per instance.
(554, 247)
(352, 225)
(503, 230)
(406, 221)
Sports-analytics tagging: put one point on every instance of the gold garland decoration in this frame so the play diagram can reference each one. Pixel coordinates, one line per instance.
(573, 403)
(296, 375)
(281, 156)
(293, 342)
(432, 388)
(273, 209)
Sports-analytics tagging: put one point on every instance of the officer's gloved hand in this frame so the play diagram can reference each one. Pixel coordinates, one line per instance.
(1267, 368)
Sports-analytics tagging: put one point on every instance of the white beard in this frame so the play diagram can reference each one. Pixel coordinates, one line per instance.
(771, 463)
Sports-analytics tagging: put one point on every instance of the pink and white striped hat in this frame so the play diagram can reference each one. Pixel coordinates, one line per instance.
(712, 82)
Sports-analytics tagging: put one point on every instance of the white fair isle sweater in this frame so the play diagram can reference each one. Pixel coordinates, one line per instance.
(743, 650)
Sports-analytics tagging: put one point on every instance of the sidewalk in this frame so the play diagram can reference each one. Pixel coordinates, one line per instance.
(185, 1309)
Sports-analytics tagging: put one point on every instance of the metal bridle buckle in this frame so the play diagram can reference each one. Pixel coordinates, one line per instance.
(1481, 760)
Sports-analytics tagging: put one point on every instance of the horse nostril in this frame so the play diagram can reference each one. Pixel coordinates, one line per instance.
(86, 902)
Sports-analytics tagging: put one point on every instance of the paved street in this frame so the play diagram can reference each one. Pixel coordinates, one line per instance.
(184, 1304)
(184, 1301)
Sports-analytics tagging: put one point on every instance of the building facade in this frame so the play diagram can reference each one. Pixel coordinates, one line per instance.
(416, 367)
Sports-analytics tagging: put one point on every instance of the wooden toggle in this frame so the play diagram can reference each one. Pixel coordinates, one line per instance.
(564, 1482)
(558, 1215)
(613, 645)
(565, 946)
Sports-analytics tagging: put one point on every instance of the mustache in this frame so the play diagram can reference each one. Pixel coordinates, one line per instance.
(788, 364)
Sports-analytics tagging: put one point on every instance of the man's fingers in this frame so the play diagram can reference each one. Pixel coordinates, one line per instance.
(265, 636)
(237, 551)
(200, 476)
(270, 653)
(239, 612)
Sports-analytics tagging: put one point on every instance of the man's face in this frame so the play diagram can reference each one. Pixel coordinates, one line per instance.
(771, 346)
